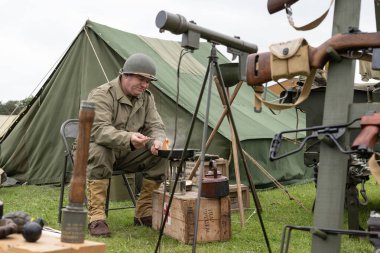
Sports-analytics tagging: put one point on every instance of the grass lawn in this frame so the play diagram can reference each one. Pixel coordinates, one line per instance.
(278, 210)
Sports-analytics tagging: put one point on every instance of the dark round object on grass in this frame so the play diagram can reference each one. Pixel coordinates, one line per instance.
(32, 231)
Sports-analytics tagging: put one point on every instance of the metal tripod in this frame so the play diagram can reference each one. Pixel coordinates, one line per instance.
(213, 63)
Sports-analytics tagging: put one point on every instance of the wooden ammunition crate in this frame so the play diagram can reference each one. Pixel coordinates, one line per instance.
(221, 164)
(234, 198)
(214, 223)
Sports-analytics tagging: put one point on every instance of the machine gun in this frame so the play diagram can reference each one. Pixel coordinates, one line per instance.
(362, 148)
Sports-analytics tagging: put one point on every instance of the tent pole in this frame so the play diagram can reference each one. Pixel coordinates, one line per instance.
(235, 155)
(215, 130)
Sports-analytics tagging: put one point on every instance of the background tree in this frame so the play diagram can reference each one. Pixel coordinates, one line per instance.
(14, 106)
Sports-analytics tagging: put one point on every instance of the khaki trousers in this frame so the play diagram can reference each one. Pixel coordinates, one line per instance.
(102, 161)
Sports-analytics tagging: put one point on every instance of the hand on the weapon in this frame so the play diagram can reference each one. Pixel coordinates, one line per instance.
(139, 140)
(155, 147)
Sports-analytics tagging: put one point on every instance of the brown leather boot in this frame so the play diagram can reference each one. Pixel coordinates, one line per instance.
(99, 228)
(143, 221)
(143, 211)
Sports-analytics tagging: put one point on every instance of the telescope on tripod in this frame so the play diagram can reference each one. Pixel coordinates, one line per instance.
(178, 24)
(191, 34)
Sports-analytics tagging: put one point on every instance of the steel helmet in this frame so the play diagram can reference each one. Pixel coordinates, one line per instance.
(140, 64)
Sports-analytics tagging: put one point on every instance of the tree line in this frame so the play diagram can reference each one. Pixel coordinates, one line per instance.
(14, 106)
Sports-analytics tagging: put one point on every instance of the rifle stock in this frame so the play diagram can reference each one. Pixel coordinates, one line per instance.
(278, 5)
(367, 138)
(259, 68)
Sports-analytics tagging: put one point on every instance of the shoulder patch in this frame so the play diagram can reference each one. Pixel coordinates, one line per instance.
(104, 87)
(108, 86)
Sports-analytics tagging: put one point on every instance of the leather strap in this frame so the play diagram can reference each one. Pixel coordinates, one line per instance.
(310, 25)
(374, 168)
(303, 96)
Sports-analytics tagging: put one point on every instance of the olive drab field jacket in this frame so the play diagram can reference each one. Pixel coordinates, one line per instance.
(116, 117)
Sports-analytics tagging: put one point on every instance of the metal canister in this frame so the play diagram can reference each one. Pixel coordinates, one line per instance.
(214, 185)
(174, 169)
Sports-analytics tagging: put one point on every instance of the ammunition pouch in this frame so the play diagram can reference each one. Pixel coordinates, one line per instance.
(289, 59)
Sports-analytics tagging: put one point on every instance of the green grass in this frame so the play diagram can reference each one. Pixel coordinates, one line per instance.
(278, 210)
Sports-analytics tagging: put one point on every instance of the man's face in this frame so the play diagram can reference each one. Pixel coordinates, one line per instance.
(134, 85)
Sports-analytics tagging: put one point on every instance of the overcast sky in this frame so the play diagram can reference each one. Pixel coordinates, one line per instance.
(34, 34)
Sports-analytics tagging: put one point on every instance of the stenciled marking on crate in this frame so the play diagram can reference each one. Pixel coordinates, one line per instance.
(169, 218)
(208, 215)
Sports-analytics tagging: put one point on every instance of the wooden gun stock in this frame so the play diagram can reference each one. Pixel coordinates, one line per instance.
(367, 138)
(259, 66)
(78, 179)
(278, 5)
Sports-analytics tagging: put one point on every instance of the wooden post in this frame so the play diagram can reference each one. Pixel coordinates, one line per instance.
(74, 215)
(78, 179)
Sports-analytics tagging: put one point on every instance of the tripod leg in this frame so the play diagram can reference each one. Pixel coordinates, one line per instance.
(182, 158)
(203, 149)
(249, 176)
(251, 185)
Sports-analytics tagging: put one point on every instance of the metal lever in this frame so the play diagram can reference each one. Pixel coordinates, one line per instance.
(330, 133)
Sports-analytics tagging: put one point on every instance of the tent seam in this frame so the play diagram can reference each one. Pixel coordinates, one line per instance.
(96, 55)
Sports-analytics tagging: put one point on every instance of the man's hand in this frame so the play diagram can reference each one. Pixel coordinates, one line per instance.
(155, 147)
(139, 140)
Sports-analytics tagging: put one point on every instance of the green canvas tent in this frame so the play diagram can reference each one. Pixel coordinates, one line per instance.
(32, 151)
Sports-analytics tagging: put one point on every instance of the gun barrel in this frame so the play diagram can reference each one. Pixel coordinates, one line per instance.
(278, 5)
(178, 24)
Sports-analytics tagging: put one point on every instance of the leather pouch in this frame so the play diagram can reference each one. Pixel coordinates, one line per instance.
(289, 59)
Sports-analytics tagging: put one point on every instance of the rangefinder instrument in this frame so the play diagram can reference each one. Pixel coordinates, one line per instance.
(192, 33)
